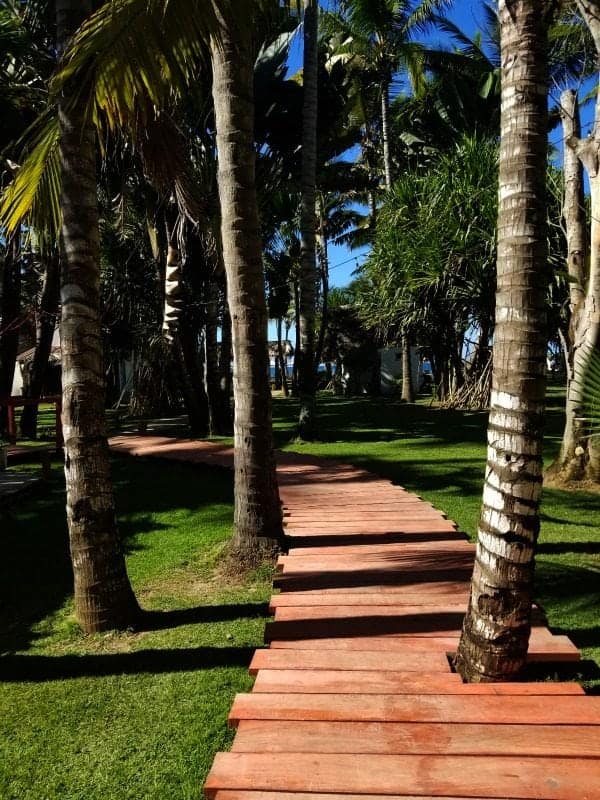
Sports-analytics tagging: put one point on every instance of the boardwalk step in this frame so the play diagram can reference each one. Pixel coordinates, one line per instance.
(558, 649)
(274, 658)
(405, 738)
(307, 599)
(532, 710)
(497, 777)
(376, 682)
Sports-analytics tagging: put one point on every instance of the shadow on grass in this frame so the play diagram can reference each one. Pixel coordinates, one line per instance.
(559, 548)
(51, 668)
(163, 620)
(35, 570)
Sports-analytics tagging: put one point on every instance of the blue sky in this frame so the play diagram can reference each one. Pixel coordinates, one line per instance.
(466, 14)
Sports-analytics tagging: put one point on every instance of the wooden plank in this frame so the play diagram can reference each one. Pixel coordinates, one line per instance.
(355, 682)
(403, 661)
(531, 710)
(493, 776)
(558, 649)
(336, 681)
(388, 592)
(243, 794)
(405, 738)
(440, 611)
(399, 601)
(452, 546)
(390, 624)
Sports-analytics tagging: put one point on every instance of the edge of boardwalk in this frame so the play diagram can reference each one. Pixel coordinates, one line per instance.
(354, 697)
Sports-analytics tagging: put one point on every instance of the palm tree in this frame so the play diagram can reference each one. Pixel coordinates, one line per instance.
(579, 457)
(127, 62)
(495, 636)
(258, 518)
(308, 273)
(103, 595)
(376, 38)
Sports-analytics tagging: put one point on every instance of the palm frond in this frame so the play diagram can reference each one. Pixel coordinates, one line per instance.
(132, 55)
(34, 194)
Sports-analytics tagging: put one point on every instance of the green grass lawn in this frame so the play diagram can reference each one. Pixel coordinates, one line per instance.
(140, 715)
(133, 715)
(440, 455)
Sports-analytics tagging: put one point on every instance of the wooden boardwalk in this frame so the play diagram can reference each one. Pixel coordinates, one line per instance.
(354, 698)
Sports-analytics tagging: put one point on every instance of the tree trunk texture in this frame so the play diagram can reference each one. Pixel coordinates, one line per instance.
(408, 391)
(219, 422)
(258, 519)
(579, 459)
(225, 359)
(324, 264)
(494, 641)
(10, 312)
(48, 313)
(103, 596)
(307, 383)
(385, 133)
(189, 375)
(282, 359)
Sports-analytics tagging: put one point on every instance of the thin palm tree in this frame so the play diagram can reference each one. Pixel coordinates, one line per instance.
(103, 595)
(258, 519)
(496, 630)
(308, 273)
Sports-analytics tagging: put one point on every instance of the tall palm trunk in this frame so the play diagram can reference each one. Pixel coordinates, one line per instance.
(385, 132)
(258, 520)
(308, 272)
(282, 359)
(218, 412)
(408, 391)
(10, 312)
(495, 636)
(580, 456)
(103, 595)
(574, 463)
(43, 346)
(324, 265)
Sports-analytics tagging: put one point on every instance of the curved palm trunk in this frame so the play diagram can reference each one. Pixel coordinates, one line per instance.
(103, 595)
(282, 359)
(495, 636)
(324, 264)
(308, 272)
(43, 347)
(573, 461)
(258, 519)
(579, 458)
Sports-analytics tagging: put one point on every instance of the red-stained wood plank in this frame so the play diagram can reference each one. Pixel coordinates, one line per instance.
(404, 661)
(488, 709)
(252, 795)
(405, 738)
(355, 682)
(387, 682)
(557, 649)
(469, 776)
(306, 599)
(366, 549)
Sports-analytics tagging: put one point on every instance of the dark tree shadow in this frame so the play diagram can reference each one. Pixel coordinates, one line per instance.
(36, 577)
(163, 620)
(50, 668)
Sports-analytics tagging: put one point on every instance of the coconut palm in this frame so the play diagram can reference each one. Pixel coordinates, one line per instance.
(258, 519)
(495, 636)
(308, 273)
(103, 595)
